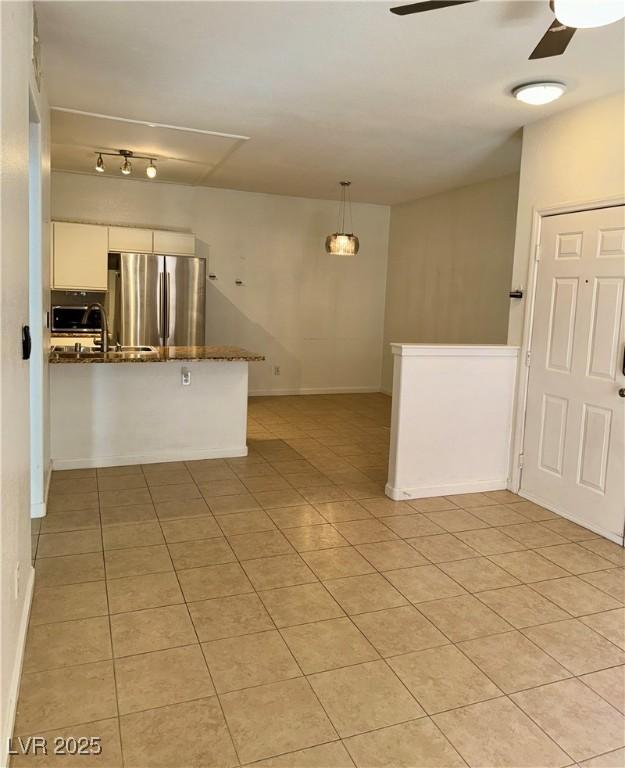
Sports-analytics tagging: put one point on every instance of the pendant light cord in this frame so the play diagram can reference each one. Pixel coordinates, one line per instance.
(349, 203)
(345, 201)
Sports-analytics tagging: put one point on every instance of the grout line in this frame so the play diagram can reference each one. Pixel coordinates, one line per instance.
(110, 627)
(256, 591)
(210, 676)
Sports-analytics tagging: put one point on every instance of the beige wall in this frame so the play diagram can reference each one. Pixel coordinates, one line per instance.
(16, 577)
(575, 156)
(319, 318)
(449, 268)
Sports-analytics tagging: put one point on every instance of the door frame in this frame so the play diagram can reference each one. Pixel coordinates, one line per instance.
(520, 409)
(38, 474)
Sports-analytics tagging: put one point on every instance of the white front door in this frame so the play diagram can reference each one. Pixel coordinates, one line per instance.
(574, 457)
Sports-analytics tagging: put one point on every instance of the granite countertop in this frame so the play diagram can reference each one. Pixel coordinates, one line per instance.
(159, 355)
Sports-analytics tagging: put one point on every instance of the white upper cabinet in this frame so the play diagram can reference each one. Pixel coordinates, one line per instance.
(176, 243)
(130, 240)
(80, 251)
(80, 257)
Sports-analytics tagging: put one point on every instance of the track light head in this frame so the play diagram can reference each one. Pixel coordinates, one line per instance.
(99, 166)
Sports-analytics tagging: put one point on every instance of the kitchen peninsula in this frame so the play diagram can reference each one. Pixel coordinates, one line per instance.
(161, 404)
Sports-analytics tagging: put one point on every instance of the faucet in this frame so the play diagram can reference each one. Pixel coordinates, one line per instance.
(104, 326)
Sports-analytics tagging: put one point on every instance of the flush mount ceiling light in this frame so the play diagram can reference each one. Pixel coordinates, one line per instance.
(343, 243)
(127, 157)
(539, 93)
(583, 14)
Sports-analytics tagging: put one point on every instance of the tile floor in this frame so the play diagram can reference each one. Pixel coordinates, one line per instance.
(279, 610)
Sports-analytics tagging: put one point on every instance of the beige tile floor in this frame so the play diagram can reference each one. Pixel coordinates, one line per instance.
(279, 610)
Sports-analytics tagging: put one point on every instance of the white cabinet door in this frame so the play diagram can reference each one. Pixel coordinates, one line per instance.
(176, 243)
(575, 425)
(80, 257)
(130, 240)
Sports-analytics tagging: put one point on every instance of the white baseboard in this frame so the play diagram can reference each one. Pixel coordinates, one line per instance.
(573, 518)
(149, 458)
(40, 509)
(421, 492)
(313, 391)
(16, 674)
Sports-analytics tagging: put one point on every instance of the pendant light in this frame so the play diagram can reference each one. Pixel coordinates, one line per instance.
(343, 243)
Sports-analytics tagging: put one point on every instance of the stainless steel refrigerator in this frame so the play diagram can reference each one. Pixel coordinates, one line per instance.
(159, 300)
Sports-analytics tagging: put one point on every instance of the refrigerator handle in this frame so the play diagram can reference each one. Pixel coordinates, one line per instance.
(161, 302)
(167, 307)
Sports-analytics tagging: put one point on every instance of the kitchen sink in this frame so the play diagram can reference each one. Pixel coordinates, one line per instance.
(68, 352)
(71, 352)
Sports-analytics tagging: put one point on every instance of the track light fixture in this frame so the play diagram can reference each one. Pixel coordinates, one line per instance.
(127, 157)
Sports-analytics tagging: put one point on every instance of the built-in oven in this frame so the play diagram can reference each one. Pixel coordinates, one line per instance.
(69, 319)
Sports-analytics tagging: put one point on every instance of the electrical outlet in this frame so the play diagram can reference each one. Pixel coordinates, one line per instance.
(276, 370)
(186, 377)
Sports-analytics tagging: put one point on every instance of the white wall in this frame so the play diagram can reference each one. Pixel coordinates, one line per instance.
(449, 268)
(16, 574)
(89, 420)
(319, 318)
(575, 156)
(446, 438)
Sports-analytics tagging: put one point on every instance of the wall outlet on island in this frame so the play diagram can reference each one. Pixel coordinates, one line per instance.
(276, 370)
(186, 377)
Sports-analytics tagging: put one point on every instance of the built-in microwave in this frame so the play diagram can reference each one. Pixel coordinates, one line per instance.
(68, 319)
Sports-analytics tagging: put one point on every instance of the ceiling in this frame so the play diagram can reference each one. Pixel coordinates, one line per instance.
(403, 106)
(181, 156)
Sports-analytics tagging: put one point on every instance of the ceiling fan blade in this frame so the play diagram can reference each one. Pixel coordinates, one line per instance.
(427, 5)
(553, 42)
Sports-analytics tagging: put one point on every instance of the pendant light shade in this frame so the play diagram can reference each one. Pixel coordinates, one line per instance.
(343, 243)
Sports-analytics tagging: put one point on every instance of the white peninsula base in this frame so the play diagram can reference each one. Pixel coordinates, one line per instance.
(452, 419)
(139, 413)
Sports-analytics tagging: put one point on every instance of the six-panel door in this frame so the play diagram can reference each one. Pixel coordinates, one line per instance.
(574, 459)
